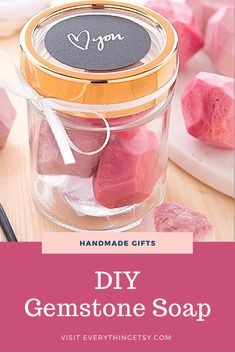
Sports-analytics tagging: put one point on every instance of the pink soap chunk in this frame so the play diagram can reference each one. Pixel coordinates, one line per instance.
(182, 18)
(220, 39)
(49, 159)
(114, 121)
(128, 170)
(127, 134)
(7, 117)
(207, 105)
(204, 9)
(171, 217)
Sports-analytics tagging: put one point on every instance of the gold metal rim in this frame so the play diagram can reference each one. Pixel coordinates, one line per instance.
(53, 81)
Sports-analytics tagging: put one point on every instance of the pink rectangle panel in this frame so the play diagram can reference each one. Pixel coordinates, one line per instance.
(117, 243)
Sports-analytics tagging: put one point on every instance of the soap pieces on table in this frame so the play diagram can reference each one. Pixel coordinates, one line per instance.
(204, 9)
(207, 105)
(171, 217)
(49, 159)
(128, 169)
(220, 39)
(182, 18)
(7, 117)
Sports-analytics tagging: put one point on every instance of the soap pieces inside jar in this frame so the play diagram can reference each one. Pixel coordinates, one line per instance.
(123, 174)
(7, 117)
(128, 169)
(49, 159)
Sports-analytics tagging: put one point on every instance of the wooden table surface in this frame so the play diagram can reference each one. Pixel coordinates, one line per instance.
(15, 171)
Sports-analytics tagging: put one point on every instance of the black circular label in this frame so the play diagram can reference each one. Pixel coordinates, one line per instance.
(97, 42)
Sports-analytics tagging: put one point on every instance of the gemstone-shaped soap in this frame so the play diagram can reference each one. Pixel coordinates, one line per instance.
(49, 159)
(204, 9)
(7, 116)
(207, 104)
(171, 217)
(182, 18)
(220, 39)
(128, 170)
(96, 122)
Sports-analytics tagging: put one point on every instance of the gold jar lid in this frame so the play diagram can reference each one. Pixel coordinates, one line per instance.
(51, 78)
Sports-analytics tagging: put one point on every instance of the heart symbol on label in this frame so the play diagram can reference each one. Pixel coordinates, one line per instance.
(75, 39)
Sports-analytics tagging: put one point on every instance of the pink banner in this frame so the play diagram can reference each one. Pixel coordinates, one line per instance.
(117, 243)
(117, 303)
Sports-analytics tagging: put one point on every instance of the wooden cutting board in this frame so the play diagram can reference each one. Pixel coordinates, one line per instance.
(211, 165)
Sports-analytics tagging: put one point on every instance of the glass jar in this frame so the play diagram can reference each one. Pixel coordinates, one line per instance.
(14, 13)
(113, 118)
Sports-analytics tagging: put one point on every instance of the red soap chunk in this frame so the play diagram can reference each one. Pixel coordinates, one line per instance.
(182, 18)
(115, 121)
(128, 170)
(7, 117)
(207, 105)
(171, 217)
(127, 134)
(49, 159)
